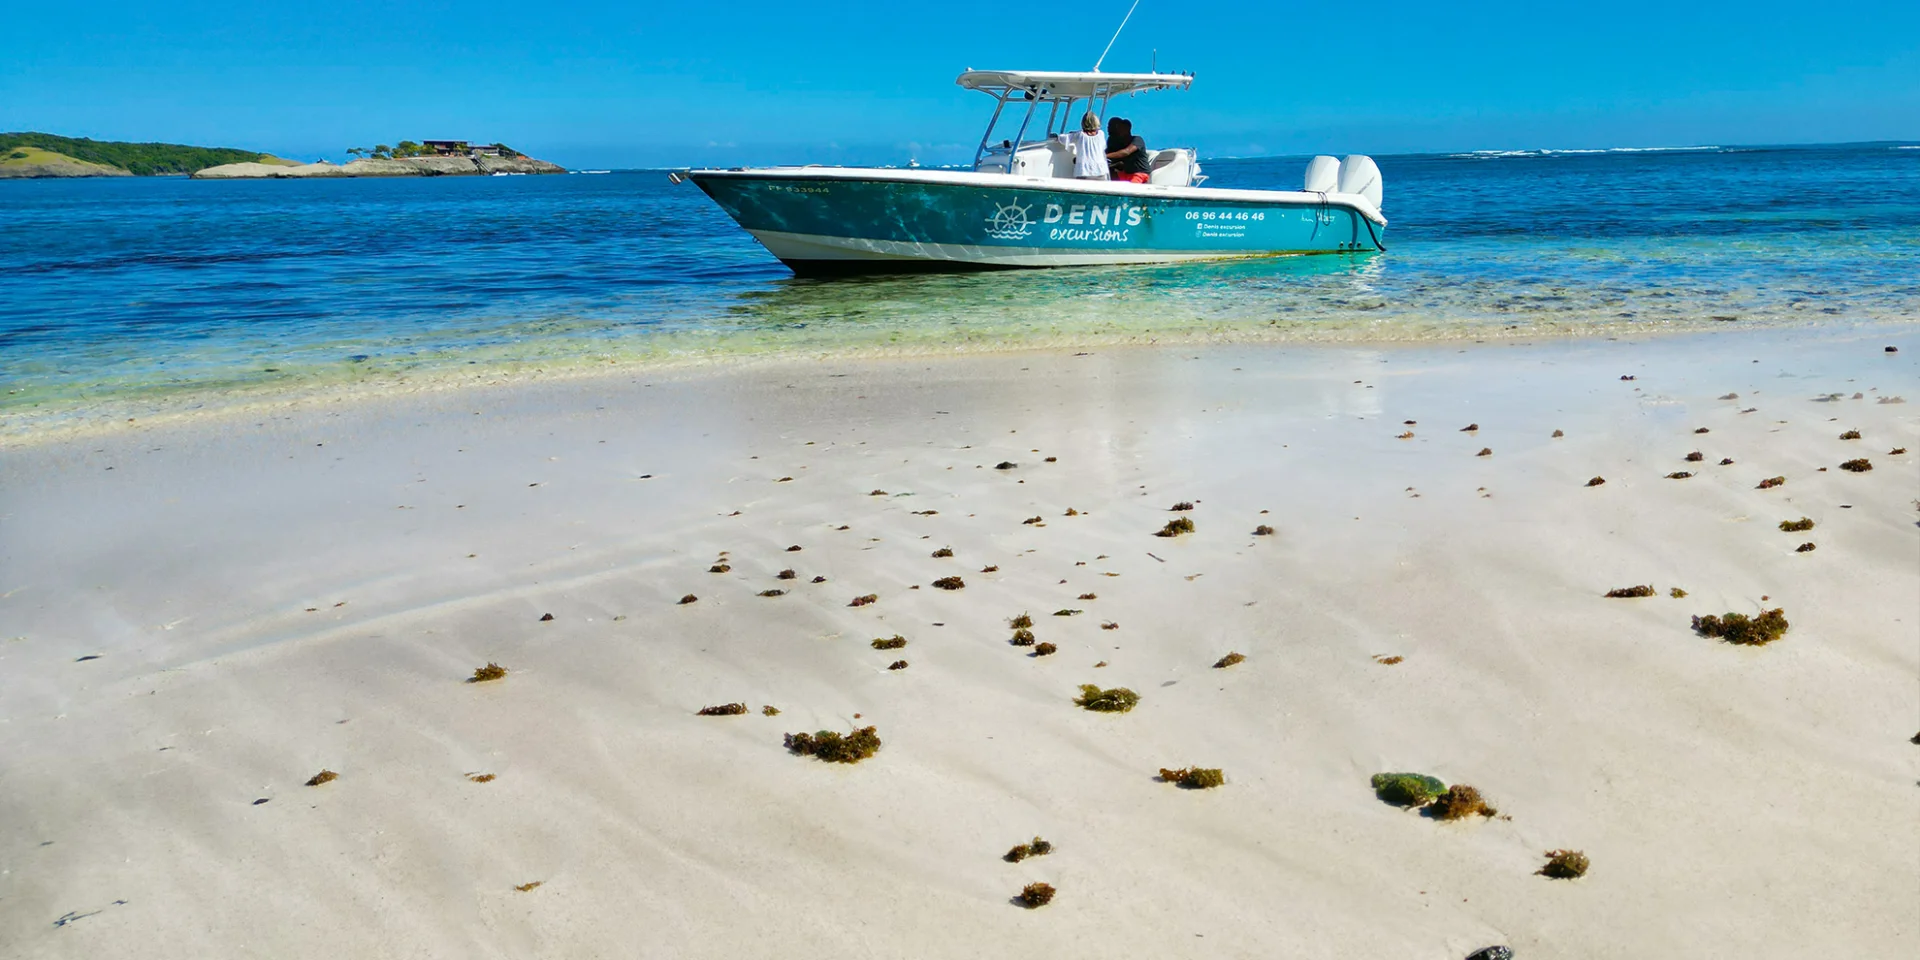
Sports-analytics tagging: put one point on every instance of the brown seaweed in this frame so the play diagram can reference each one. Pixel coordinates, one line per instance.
(1176, 527)
(1744, 630)
(1194, 778)
(1644, 590)
(1033, 896)
(834, 747)
(1565, 865)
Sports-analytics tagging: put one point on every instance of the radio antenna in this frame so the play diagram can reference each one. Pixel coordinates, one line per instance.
(1116, 36)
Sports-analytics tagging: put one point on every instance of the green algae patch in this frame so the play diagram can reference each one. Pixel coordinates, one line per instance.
(1407, 789)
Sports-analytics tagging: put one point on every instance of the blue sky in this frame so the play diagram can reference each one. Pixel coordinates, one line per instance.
(602, 85)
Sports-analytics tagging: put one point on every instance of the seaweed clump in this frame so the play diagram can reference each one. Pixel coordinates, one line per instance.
(481, 777)
(769, 711)
(950, 583)
(528, 886)
(1021, 851)
(1194, 778)
(492, 671)
(1679, 475)
(943, 552)
(324, 776)
(1676, 593)
(897, 665)
(773, 593)
(724, 710)
(1771, 482)
(1263, 531)
(1565, 865)
(1850, 435)
(1022, 638)
(787, 574)
(1229, 660)
(1695, 457)
(719, 568)
(834, 747)
(1045, 650)
(1859, 465)
(1596, 481)
(1460, 802)
(1182, 505)
(1796, 526)
(1744, 630)
(1807, 547)
(1644, 590)
(1036, 895)
(689, 598)
(1115, 700)
(894, 642)
(1021, 622)
(1176, 527)
(864, 599)
(1407, 789)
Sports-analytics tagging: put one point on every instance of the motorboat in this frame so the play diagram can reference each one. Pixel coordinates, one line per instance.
(1019, 205)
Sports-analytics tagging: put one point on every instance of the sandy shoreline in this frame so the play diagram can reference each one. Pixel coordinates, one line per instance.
(269, 598)
(105, 412)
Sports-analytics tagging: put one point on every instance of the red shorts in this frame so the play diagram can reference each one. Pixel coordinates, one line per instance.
(1132, 177)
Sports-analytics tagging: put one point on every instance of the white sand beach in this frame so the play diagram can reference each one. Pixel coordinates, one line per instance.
(197, 617)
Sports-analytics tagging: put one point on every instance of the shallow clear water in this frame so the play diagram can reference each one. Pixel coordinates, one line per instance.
(134, 288)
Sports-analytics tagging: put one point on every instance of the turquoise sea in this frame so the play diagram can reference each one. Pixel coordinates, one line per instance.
(144, 289)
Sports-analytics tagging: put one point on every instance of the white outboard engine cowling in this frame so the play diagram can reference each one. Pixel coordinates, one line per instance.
(1361, 175)
(1323, 175)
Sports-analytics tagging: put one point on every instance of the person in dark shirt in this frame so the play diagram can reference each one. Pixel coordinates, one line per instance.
(1127, 156)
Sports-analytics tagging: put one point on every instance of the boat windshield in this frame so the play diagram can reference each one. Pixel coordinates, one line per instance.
(1058, 91)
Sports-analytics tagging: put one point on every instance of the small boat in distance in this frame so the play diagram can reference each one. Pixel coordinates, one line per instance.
(1020, 206)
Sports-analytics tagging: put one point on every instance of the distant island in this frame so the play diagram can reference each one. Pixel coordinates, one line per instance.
(34, 155)
(46, 155)
(428, 158)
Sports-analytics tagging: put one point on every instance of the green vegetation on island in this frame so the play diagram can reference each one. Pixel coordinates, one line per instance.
(139, 159)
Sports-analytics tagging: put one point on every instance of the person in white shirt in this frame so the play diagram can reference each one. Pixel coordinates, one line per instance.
(1089, 145)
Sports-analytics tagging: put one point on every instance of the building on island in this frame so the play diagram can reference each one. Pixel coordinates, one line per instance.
(460, 148)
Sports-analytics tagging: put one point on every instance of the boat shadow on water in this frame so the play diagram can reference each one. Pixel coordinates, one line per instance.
(1010, 296)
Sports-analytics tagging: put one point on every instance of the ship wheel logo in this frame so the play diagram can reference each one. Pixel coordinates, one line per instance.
(1009, 222)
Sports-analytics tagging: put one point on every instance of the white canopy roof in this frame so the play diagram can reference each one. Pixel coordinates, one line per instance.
(1047, 84)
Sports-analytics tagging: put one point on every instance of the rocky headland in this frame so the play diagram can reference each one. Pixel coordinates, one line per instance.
(381, 167)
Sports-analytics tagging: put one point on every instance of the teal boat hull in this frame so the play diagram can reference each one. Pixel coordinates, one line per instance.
(835, 221)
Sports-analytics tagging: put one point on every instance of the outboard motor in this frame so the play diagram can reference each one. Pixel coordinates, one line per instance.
(1360, 175)
(1323, 175)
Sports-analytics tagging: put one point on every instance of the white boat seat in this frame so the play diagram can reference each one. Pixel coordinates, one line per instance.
(1172, 167)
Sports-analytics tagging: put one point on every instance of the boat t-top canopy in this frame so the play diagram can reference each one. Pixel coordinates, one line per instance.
(1057, 85)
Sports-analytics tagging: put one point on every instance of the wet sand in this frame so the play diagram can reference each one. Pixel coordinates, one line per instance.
(200, 616)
